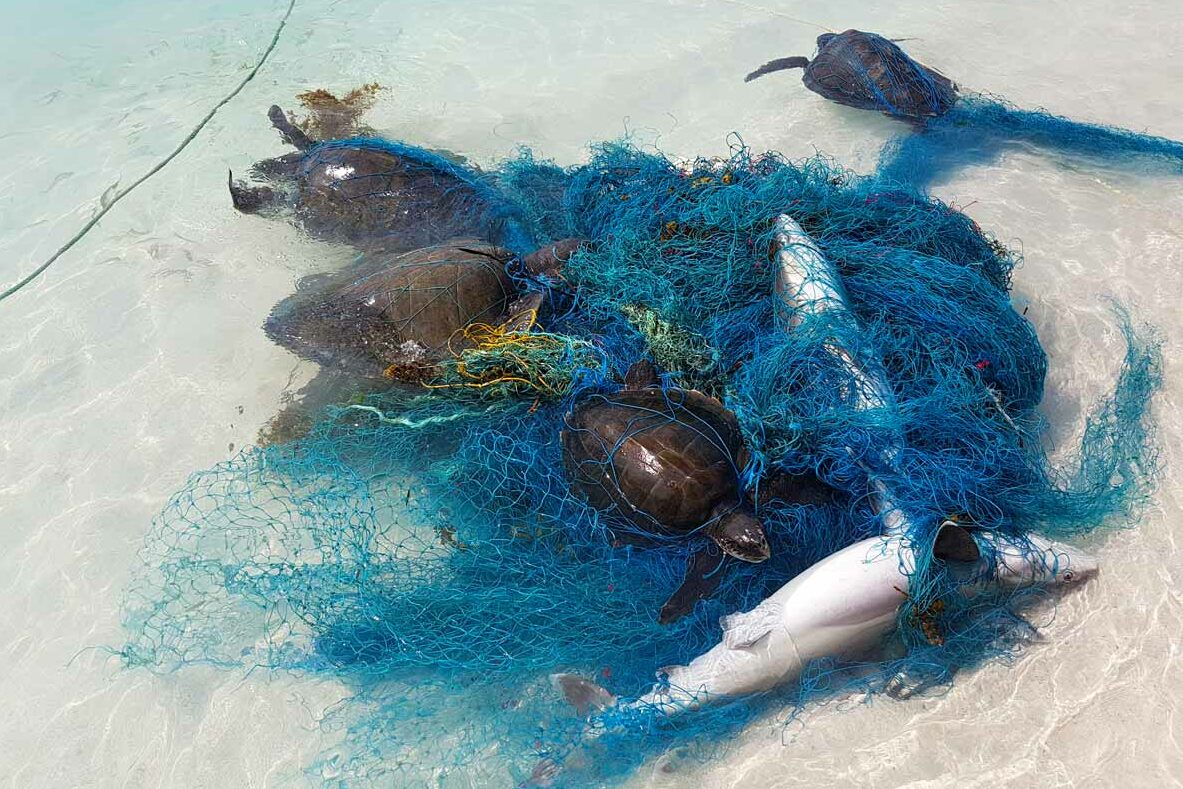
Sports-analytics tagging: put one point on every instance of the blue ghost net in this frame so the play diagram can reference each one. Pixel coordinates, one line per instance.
(979, 130)
(426, 549)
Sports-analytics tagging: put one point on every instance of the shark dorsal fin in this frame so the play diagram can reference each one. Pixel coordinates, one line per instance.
(955, 544)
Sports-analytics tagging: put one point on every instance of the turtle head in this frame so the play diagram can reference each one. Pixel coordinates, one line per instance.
(250, 199)
(739, 533)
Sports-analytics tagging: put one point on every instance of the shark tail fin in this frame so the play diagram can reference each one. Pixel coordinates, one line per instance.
(780, 64)
(583, 694)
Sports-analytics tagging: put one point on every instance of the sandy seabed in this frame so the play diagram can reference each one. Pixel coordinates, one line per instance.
(138, 358)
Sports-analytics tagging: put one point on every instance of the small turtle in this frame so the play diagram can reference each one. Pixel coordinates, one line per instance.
(370, 193)
(869, 72)
(387, 315)
(666, 462)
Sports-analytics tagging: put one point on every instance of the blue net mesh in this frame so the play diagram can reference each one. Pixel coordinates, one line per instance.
(869, 72)
(980, 129)
(425, 546)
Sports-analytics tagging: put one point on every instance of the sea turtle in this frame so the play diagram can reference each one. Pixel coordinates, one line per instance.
(388, 314)
(389, 317)
(371, 193)
(665, 462)
(869, 72)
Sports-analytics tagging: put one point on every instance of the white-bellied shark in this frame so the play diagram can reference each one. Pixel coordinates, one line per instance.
(841, 608)
(845, 605)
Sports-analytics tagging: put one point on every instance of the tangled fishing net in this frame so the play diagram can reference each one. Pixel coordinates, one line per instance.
(424, 545)
(981, 128)
(951, 129)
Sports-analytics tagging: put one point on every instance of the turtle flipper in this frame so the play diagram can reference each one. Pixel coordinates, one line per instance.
(549, 259)
(796, 489)
(291, 135)
(309, 403)
(250, 199)
(780, 64)
(703, 574)
(279, 168)
(582, 694)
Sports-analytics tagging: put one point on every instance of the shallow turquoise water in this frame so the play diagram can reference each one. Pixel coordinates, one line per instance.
(138, 357)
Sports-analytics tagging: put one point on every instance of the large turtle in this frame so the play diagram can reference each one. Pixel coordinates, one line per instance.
(371, 193)
(389, 317)
(869, 72)
(393, 312)
(665, 463)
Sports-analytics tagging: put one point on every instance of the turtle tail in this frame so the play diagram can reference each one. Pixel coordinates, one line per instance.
(780, 64)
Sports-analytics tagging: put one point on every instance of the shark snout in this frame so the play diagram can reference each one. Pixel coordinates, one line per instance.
(1037, 561)
(1074, 566)
(1058, 564)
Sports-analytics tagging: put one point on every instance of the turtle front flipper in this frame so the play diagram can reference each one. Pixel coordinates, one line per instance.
(280, 168)
(703, 574)
(291, 135)
(309, 404)
(250, 199)
(797, 490)
(780, 64)
(549, 259)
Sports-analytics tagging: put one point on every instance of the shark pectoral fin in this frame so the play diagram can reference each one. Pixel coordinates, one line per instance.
(745, 630)
(955, 544)
(582, 694)
(703, 574)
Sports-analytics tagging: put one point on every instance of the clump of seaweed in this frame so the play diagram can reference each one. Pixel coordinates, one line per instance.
(332, 118)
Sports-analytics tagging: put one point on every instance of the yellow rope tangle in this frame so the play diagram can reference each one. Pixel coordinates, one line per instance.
(508, 355)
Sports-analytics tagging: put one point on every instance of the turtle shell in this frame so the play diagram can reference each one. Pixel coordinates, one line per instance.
(374, 198)
(393, 309)
(661, 459)
(869, 72)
